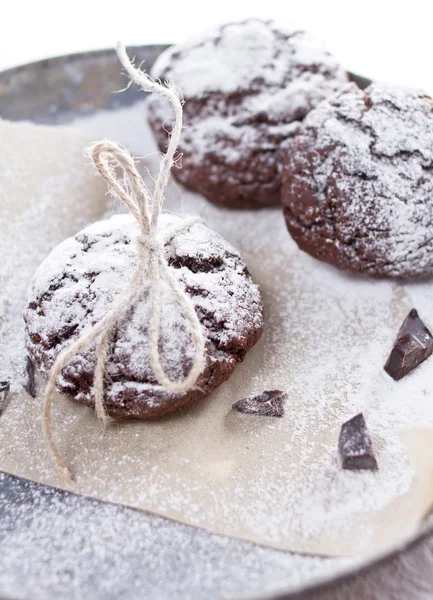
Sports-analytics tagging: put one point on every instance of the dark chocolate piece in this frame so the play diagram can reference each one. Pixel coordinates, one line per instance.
(413, 345)
(30, 384)
(355, 446)
(4, 395)
(268, 404)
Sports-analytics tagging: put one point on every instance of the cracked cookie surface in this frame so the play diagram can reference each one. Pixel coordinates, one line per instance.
(246, 86)
(76, 284)
(358, 181)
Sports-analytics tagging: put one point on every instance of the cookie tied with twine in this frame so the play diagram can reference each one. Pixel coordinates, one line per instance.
(151, 272)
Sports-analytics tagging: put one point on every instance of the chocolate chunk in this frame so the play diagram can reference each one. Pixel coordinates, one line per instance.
(30, 384)
(268, 404)
(4, 394)
(413, 345)
(355, 446)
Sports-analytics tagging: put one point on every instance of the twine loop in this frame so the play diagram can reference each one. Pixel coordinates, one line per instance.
(152, 271)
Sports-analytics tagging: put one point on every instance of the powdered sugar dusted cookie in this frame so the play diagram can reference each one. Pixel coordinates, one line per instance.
(358, 181)
(78, 282)
(246, 87)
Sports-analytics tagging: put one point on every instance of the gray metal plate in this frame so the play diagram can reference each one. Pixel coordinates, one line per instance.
(56, 544)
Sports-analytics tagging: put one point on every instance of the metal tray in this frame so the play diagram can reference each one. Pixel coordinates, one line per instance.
(56, 91)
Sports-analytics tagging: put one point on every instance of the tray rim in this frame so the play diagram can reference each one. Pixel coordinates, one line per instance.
(82, 55)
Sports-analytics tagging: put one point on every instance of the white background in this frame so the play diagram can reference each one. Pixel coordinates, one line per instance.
(383, 39)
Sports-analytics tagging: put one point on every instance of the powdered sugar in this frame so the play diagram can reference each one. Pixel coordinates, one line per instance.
(56, 545)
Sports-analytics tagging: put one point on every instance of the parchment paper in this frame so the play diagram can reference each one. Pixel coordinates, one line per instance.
(277, 482)
(418, 442)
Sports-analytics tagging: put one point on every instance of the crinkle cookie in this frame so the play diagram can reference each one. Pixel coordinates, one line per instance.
(75, 286)
(246, 86)
(358, 181)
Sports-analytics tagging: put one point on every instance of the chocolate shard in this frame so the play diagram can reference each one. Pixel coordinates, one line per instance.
(413, 345)
(4, 395)
(270, 403)
(355, 446)
(30, 383)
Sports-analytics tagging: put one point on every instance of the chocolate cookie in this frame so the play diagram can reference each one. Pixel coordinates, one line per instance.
(246, 87)
(75, 286)
(358, 181)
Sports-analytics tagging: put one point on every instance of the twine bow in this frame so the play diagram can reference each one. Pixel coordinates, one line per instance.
(150, 273)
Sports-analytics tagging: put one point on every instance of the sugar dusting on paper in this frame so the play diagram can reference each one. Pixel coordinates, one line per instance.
(47, 190)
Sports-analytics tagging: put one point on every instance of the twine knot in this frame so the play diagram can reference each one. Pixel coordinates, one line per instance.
(151, 272)
(150, 243)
